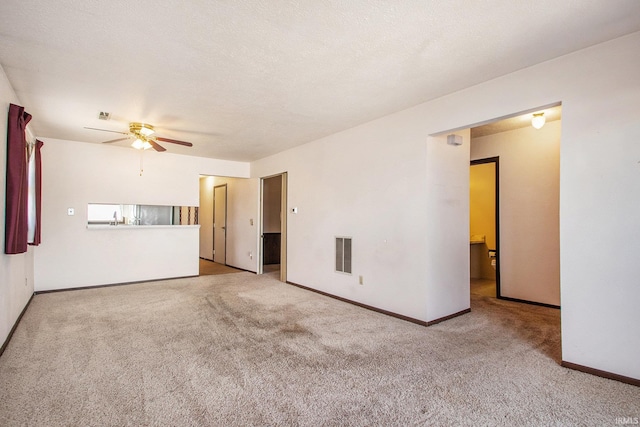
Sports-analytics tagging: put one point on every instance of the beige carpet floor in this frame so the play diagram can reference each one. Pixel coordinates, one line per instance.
(247, 350)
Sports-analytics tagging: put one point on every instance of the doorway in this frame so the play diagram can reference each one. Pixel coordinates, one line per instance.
(220, 224)
(273, 226)
(527, 204)
(484, 227)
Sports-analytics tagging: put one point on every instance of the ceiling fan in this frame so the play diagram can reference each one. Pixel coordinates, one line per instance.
(143, 138)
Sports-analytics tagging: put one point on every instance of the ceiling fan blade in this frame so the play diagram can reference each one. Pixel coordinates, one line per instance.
(156, 146)
(114, 140)
(175, 141)
(107, 130)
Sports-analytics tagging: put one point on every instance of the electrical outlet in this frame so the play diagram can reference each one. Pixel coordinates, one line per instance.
(251, 221)
(361, 280)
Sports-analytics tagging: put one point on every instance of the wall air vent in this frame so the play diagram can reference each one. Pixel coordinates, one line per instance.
(343, 254)
(103, 115)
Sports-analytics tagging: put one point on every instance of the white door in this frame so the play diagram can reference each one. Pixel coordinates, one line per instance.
(220, 224)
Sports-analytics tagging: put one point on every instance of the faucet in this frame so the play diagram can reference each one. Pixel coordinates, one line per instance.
(115, 217)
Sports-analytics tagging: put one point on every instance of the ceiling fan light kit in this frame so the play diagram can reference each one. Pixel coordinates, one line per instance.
(141, 131)
(140, 144)
(141, 128)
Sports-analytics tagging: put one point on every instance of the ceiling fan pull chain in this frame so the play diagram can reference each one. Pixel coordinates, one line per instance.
(141, 163)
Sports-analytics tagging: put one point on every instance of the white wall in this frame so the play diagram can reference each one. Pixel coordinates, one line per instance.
(371, 182)
(16, 271)
(360, 183)
(243, 213)
(529, 210)
(75, 174)
(447, 217)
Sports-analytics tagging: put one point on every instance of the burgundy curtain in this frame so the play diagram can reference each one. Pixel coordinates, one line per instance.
(38, 184)
(16, 199)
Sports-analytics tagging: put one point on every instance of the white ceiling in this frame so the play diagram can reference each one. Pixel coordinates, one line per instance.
(248, 78)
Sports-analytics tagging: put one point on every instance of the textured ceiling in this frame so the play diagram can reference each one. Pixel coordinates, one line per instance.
(246, 79)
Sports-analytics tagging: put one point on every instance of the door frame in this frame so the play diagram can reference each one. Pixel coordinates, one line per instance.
(495, 160)
(283, 225)
(225, 221)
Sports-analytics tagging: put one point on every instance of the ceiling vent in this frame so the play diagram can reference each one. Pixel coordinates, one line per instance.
(103, 115)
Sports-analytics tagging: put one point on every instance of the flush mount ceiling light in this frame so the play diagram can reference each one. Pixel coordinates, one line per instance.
(538, 120)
